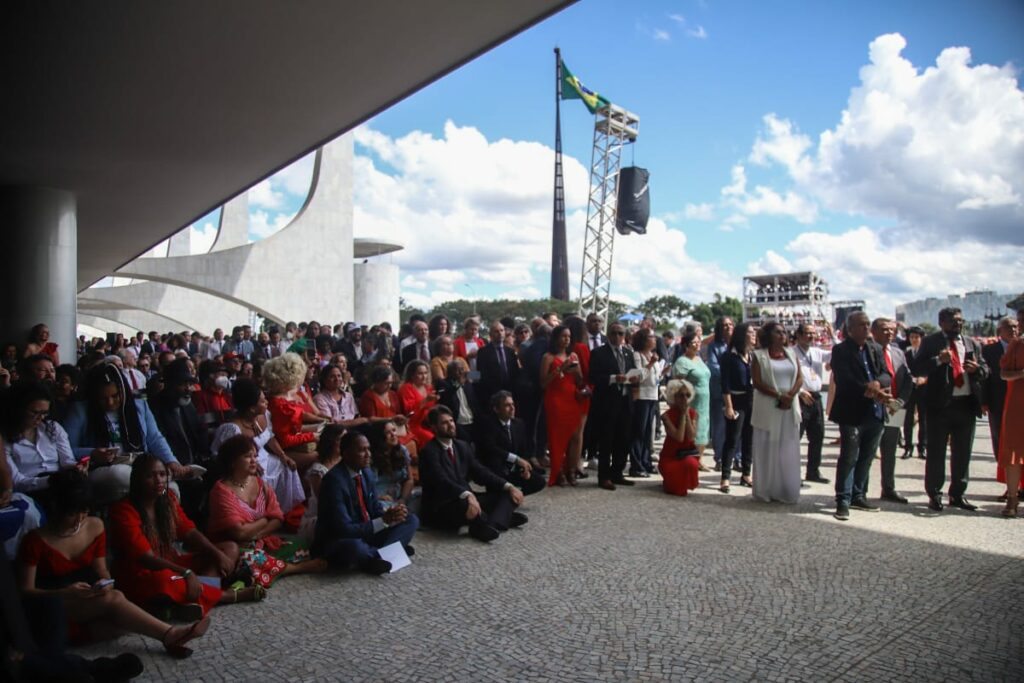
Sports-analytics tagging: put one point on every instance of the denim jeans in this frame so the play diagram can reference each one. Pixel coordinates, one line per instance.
(857, 446)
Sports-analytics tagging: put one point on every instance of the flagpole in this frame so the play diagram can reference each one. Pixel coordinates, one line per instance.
(559, 252)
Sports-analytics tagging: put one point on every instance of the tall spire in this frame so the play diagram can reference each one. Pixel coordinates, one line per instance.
(559, 252)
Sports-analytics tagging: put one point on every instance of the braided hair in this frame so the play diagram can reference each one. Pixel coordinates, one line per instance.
(160, 531)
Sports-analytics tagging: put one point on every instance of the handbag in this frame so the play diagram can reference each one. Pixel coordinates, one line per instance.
(686, 452)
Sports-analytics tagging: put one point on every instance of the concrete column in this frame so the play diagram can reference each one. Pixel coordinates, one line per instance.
(376, 293)
(39, 247)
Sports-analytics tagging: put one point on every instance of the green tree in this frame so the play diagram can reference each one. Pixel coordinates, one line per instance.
(666, 309)
(707, 313)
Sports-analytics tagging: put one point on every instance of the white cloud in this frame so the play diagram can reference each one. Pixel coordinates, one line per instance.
(699, 212)
(201, 238)
(678, 18)
(262, 194)
(938, 150)
(661, 34)
(698, 33)
(413, 282)
(263, 225)
(764, 200)
(862, 264)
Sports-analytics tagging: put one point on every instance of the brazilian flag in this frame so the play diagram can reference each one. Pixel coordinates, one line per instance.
(573, 89)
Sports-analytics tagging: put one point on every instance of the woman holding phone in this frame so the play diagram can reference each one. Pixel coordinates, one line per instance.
(67, 559)
(561, 378)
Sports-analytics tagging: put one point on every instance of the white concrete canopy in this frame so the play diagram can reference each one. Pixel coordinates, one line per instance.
(193, 309)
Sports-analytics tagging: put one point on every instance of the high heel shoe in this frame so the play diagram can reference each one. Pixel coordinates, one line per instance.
(746, 481)
(562, 481)
(1010, 511)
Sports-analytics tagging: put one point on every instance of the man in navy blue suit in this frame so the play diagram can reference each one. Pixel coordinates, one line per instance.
(352, 522)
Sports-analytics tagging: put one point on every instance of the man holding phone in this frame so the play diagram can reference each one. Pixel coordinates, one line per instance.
(956, 372)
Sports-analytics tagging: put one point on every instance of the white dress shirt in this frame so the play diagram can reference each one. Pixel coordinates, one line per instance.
(812, 366)
(31, 463)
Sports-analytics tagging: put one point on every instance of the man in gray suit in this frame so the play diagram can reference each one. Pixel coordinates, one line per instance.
(884, 331)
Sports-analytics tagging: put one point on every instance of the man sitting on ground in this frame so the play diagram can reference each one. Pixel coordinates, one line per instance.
(502, 445)
(352, 523)
(446, 467)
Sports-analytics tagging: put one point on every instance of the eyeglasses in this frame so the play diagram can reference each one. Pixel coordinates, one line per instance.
(37, 413)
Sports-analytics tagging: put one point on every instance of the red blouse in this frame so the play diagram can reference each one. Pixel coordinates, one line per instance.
(286, 420)
(130, 541)
(51, 563)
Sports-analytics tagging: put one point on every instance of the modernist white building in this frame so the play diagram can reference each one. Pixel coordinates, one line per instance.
(976, 307)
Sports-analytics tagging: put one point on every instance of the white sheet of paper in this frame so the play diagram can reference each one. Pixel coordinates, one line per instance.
(395, 554)
(635, 372)
(897, 418)
(210, 581)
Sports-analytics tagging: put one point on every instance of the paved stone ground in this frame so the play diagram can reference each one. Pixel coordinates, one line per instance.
(636, 585)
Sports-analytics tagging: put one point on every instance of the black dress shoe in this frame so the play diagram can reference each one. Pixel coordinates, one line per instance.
(482, 531)
(409, 550)
(962, 503)
(817, 479)
(921, 456)
(607, 485)
(864, 505)
(935, 503)
(582, 474)
(376, 566)
(622, 481)
(123, 667)
(517, 520)
(907, 454)
(893, 497)
(842, 513)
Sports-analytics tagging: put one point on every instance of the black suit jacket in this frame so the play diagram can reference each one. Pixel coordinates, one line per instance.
(187, 436)
(995, 385)
(493, 444)
(409, 354)
(338, 513)
(444, 482)
(448, 395)
(491, 378)
(850, 406)
(939, 389)
(603, 366)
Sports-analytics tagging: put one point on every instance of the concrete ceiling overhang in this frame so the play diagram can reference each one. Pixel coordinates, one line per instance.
(153, 114)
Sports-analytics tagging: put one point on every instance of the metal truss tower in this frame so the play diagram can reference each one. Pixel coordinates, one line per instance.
(614, 127)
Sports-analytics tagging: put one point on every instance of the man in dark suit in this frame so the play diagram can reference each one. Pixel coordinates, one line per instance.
(446, 467)
(498, 366)
(915, 406)
(884, 332)
(956, 373)
(862, 389)
(502, 445)
(529, 395)
(351, 523)
(612, 406)
(995, 385)
(418, 349)
(459, 395)
(351, 344)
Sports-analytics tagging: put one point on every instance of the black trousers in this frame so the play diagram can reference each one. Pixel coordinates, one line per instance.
(496, 508)
(739, 433)
(535, 483)
(995, 423)
(614, 427)
(916, 405)
(955, 423)
(813, 424)
(887, 448)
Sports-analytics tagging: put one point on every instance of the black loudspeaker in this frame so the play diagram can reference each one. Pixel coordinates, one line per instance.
(634, 201)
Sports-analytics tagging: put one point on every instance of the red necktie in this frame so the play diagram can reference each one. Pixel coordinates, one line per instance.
(451, 455)
(958, 368)
(359, 495)
(889, 367)
(135, 384)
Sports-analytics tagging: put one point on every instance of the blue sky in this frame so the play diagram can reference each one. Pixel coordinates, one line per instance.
(918, 193)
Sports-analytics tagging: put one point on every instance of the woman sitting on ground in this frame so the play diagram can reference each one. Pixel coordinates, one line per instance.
(393, 466)
(679, 462)
(380, 403)
(151, 572)
(253, 421)
(67, 559)
(296, 425)
(328, 452)
(244, 509)
(418, 397)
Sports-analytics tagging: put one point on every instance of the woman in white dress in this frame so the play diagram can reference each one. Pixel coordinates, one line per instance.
(253, 420)
(775, 372)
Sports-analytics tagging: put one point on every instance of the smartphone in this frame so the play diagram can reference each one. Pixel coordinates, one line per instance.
(102, 583)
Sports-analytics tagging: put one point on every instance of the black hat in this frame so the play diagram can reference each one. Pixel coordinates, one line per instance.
(177, 373)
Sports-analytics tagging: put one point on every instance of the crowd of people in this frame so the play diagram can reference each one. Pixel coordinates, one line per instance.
(217, 466)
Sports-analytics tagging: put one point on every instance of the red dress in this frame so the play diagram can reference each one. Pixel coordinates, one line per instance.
(372, 405)
(1011, 436)
(564, 410)
(148, 586)
(680, 475)
(286, 420)
(54, 569)
(582, 352)
(417, 415)
(227, 510)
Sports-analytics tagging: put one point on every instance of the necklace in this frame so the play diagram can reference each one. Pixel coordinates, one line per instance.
(254, 427)
(240, 487)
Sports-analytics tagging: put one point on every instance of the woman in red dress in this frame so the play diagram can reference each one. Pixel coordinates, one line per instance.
(245, 511)
(39, 343)
(418, 397)
(468, 344)
(295, 423)
(578, 341)
(1011, 437)
(67, 559)
(679, 463)
(151, 572)
(561, 378)
(380, 403)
